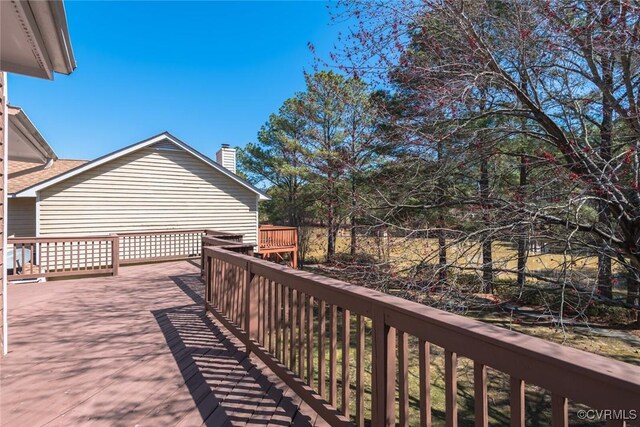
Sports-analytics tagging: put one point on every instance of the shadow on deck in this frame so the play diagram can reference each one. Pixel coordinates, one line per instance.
(134, 349)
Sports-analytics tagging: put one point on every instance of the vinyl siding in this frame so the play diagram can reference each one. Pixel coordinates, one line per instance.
(155, 188)
(21, 217)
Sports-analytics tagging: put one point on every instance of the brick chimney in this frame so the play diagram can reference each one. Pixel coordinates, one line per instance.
(226, 156)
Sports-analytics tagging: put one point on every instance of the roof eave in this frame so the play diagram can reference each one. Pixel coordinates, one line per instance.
(18, 116)
(38, 27)
(52, 22)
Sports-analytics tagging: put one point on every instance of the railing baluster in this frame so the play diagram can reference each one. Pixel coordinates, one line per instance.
(302, 298)
(31, 258)
(480, 394)
(262, 316)
(272, 308)
(321, 350)
(293, 317)
(360, 342)
(516, 397)
(559, 412)
(237, 300)
(225, 291)
(285, 338)
(41, 255)
(424, 363)
(346, 383)
(242, 318)
(15, 259)
(451, 387)
(22, 252)
(310, 342)
(279, 326)
(236, 295)
(333, 350)
(403, 364)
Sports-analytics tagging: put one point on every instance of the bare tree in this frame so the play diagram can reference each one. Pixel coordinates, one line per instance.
(562, 75)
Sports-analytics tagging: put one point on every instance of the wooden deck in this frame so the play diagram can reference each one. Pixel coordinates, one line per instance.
(134, 350)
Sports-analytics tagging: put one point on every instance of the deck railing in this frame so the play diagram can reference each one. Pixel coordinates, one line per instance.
(43, 257)
(159, 245)
(36, 257)
(347, 351)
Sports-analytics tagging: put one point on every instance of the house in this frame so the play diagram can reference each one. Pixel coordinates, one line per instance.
(160, 183)
(34, 41)
(31, 159)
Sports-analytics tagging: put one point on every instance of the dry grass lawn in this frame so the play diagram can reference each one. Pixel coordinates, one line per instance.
(405, 253)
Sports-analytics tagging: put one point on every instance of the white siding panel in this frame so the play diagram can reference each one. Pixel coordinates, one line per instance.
(21, 221)
(148, 190)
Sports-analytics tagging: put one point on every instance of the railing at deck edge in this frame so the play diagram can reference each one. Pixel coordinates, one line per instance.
(48, 257)
(65, 256)
(265, 305)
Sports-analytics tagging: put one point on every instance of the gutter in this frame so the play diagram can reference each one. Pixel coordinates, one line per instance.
(60, 19)
(51, 22)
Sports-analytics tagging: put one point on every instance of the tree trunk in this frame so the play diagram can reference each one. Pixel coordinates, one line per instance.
(487, 256)
(633, 286)
(633, 282)
(331, 226)
(331, 238)
(291, 207)
(606, 129)
(442, 254)
(354, 203)
(487, 266)
(604, 264)
(523, 241)
(442, 238)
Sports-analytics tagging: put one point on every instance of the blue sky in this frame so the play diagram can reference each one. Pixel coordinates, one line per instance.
(208, 72)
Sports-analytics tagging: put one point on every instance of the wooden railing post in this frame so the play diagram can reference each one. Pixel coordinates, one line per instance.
(202, 258)
(115, 254)
(384, 372)
(206, 268)
(251, 305)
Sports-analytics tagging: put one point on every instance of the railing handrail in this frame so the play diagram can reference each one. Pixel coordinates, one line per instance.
(171, 231)
(53, 239)
(597, 381)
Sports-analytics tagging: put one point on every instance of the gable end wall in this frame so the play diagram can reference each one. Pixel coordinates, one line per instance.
(148, 190)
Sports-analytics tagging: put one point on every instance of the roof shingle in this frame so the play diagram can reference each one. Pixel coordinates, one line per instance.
(23, 175)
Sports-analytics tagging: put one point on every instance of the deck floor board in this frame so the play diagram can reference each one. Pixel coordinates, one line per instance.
(135, 349)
